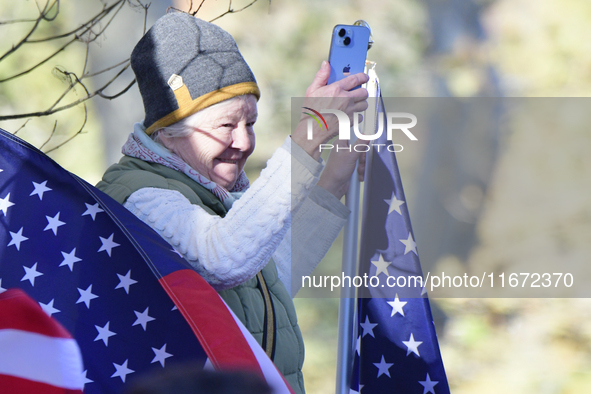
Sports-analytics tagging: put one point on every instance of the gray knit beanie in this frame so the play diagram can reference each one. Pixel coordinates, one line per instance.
(183, 65)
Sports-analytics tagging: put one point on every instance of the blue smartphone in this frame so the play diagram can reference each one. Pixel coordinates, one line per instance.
(348, 50)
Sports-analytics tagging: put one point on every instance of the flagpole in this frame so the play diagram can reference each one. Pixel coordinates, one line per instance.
(347, 326)
(347, 300)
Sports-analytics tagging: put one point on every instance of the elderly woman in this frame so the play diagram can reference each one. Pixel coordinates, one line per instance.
(182, 174)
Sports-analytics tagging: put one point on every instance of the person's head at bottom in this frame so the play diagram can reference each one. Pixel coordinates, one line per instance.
(191, 379)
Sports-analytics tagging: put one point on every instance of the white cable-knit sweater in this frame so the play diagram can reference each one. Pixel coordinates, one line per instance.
(284, 203)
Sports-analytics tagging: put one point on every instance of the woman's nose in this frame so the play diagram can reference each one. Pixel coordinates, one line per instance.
(241, 139)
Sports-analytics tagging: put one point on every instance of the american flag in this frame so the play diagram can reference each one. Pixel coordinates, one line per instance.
(29, 338)
(131, 302)
(396, 350)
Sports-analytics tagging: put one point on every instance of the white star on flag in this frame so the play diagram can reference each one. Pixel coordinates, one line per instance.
(160, 355)
(31, 273)
(383, 367)
(142, 318)
(40, 188)
(70, 259)
(53, 223)
(5, 203)
(368, 327)
(108, 244)
(122, 371)
(397, 306)
(48, 308)
(86, 296)
(176, 252)
(104, 333)
(410, 244)
(412, 345)
(424, 289)
(2, 289)
(85, 380)
(394, 204)
(428, 385)
(125, 281)
(17, 238)
(381, 266)
(92, 210)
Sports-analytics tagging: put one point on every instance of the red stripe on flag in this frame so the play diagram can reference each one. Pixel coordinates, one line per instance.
(12, 384)
(210, 320)
(20, 312)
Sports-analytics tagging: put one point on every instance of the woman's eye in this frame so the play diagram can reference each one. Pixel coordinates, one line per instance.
(250, 124)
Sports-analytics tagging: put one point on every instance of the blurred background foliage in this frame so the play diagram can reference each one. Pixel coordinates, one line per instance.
(511, 196)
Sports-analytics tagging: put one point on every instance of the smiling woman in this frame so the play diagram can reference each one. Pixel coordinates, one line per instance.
(215, 141)
(182, 174)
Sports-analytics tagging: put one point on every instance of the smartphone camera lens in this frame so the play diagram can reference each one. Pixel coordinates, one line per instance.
(347, 40)
(342, 32)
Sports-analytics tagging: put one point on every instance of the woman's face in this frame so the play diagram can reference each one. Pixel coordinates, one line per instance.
(221, 142)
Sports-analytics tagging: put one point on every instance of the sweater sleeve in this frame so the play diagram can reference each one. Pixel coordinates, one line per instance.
(228, 251)
(313, 230)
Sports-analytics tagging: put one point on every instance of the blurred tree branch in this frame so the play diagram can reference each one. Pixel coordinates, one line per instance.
(88, 32)
(230, 9)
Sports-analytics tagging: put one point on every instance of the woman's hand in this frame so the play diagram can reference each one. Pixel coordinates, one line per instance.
(341, 164)
(339, 95)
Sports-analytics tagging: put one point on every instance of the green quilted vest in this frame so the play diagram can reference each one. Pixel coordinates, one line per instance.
(255, 306)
